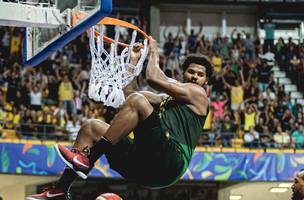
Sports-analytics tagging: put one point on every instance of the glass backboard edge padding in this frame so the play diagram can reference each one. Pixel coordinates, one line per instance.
(106, 9)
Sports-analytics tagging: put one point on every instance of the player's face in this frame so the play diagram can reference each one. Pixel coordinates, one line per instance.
(196, 74)
(298, 187)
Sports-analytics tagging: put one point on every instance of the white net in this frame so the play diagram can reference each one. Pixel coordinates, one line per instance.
(112, 71)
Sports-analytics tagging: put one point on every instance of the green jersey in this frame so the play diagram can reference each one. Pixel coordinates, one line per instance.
(183, 125)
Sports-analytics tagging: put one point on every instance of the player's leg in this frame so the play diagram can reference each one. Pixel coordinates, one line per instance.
(136, 109)
(90, 132)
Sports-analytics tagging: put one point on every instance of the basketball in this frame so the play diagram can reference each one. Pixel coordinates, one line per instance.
(108, 196)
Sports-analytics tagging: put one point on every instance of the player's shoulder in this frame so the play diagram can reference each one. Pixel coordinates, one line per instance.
(197, 90)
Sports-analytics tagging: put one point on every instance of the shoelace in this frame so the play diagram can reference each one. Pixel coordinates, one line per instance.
(84, 152)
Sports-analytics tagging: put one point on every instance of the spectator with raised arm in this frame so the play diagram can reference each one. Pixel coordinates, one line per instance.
(236, 91)
(66, 94)
(192, 38)
(218, 106)
(169, 41)
(36, 95)
(250, 116)
(237, 40)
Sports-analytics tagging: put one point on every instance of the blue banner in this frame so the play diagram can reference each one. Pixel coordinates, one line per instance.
(43, 160)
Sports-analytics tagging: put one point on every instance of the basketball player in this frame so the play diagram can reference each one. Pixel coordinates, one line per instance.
(166, 129)
(298, 187)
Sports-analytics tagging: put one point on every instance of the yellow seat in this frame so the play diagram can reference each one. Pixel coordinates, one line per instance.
(242, 150)
(6, 140)
(225, 149)
(15, 140)
(9, 133)
(299, 151)
(237, 143)
(273, 150)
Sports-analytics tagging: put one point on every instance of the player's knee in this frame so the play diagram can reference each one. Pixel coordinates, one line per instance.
(94, 126)
(137, 100)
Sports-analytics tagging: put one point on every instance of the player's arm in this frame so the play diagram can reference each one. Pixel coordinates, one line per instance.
(200, 30)
(156, 78)
(133, 86)
(178, 32)
(225, 82)
(151, 97)
(232, 35)
(185, 31)
(164, 34)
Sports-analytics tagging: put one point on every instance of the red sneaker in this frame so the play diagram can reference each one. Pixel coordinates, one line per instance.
(75, 159)
(50, 194)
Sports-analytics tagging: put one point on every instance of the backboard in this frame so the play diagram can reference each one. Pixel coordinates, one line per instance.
(40, 42)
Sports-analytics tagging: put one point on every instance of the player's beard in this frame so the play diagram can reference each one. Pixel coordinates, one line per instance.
(296, 195)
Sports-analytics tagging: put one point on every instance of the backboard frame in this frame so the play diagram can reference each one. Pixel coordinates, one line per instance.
(105, 10)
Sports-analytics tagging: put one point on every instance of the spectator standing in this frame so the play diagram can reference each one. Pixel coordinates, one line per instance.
(52, 91)
(169, 41)
(249, 47)
(225, 48)
(217, 85)
(250, 116)
(236, 92)
(172, 66)
(280, 51)
(192, 39)
(217, 62)
(218, 106)
(66, 94)
(15, 44)
(235, 53)
(264, 72)
(6, 43)
(269, 28)
(35, 93)
(238, 40)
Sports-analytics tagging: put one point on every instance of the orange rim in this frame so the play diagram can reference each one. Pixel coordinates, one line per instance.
(109, 21)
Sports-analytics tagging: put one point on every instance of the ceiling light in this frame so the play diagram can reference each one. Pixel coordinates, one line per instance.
(285, 185)
(235, 197)
(278, 189)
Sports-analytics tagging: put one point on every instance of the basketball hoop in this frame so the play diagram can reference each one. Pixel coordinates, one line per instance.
(111, 69)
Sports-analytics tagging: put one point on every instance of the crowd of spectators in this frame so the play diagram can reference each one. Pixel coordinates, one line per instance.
(50, 101)
(246, 101)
